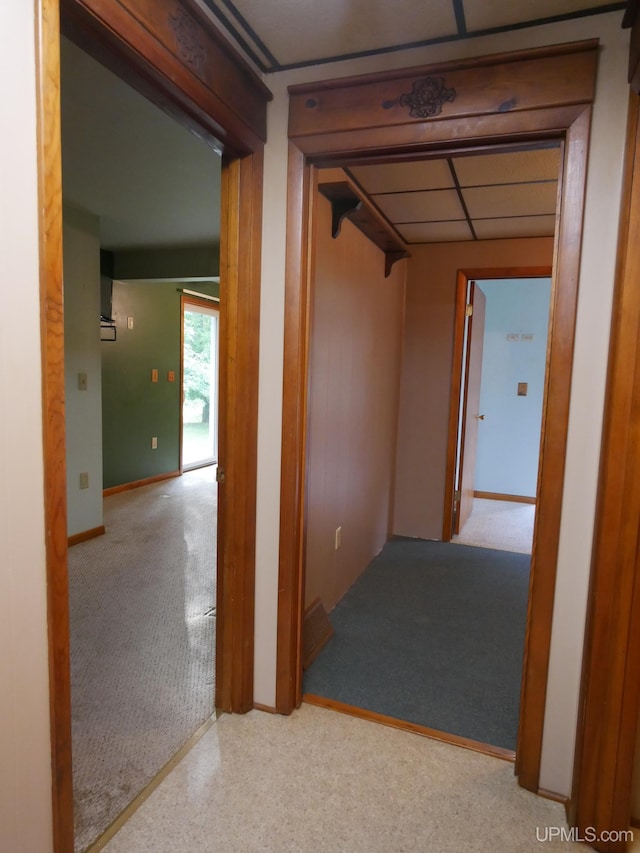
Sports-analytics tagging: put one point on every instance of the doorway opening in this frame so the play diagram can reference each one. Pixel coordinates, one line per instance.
(366, 523)
(199, 437)
(142, 595)
(324, 131)
(210, 110)
(501, 327)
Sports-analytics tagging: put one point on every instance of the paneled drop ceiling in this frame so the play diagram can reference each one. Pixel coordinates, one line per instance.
(477, 197)
(278, 34)
(154, 185)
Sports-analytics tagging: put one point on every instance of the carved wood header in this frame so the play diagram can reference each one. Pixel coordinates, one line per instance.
(426, 98)
(565, 74)
(190, 44)
(204, 81)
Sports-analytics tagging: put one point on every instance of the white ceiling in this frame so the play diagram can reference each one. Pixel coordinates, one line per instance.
(150, 181)
(279, 34)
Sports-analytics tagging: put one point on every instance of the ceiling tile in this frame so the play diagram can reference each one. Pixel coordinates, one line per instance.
(399, 177)
(514, 200)
(541, 164)
(302, 30)
(420, 206)
(435, 232)
(487, 14)
(524, 226)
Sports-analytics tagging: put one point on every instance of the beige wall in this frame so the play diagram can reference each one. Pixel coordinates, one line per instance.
(426, 370)
(25, 758)
(588, 374)
(354, 369)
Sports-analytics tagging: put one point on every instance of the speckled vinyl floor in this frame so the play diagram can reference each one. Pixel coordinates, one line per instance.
(142, 619)
(322, 782)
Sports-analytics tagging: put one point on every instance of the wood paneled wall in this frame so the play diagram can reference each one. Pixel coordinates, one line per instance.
(356, 332)
(427, 365)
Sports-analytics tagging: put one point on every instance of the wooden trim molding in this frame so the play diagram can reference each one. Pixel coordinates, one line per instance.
(464, 276)
(136, 484)
(500, 101)
(610, 693)
(52, 332)
(348, 202)
(86, 535)
(448, 515)
(171, 54)
(555, 419)
(632, 21)
(294, 438)
(503, 86)
(498, 496)
(414, 728)
(553, 795)
(240, 242)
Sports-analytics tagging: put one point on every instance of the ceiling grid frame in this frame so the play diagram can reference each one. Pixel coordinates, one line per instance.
(281, 35)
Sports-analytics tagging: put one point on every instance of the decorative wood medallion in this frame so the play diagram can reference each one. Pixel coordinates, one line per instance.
(426, 97)
(186, 31)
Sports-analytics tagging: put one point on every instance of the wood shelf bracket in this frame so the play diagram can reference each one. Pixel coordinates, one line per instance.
(348, 203)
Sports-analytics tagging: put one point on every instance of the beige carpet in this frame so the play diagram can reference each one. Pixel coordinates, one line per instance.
(142, 642)
(503, 525)
(322, 782)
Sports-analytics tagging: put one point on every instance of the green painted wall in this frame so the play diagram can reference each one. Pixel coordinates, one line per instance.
(167, 264)
(134, 409)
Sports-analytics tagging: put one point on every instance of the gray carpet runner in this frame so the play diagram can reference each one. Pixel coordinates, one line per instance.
(432, 633)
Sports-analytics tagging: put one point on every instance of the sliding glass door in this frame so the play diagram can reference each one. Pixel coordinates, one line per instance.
(199, 385)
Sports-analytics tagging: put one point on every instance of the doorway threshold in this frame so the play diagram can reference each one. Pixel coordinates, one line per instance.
(146, 792)
(403, 725)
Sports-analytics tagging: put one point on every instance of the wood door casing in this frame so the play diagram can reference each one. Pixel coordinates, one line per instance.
(471, 404)
(156, 62)
(360, 119)
(463, 278)
(610, 691)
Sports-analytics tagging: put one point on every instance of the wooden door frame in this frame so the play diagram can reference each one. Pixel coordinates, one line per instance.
(479, 104)
(463, 278)
(610, 692)
(463, 402)
(169, 52)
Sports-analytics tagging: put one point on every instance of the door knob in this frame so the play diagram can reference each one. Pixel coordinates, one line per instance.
(480, 417)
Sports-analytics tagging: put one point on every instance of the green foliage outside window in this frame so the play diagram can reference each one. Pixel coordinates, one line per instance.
(197, 358)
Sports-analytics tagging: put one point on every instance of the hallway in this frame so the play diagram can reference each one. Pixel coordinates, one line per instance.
(329, 783)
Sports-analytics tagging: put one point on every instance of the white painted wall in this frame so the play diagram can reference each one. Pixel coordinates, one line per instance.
(25, 774)
(589, 373)
(514, 351)
(82, 354)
